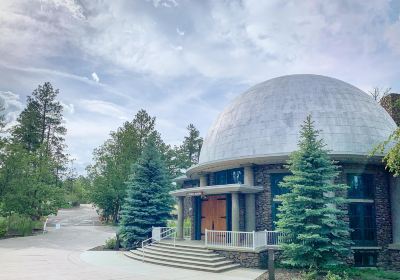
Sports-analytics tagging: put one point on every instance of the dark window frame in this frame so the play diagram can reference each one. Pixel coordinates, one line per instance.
(365, 189)
(275, 179)
(362, 223)
(225, 177)
(365, 258)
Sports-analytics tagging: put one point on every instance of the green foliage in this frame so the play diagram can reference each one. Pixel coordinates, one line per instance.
(188, 153)
(33, 159)
(148, 202)
(332, 276)
(113, 162)
(110, 243)
(3, 226)
(311, 216)
(392, 157)
(20, 225)
(76, 190)
(310, 275)
(30, 185)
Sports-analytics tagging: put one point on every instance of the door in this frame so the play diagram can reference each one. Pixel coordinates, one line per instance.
(213, 213)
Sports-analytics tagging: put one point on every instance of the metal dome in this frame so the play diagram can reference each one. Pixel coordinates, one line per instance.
(265, 120)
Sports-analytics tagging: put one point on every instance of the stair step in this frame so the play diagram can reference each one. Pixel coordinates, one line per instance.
(183, 253)
(181, 265)
(182, 248)
(207, 258)
(181, 261)
(178, 244)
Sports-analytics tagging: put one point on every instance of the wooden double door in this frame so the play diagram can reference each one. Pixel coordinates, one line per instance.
(213, 213)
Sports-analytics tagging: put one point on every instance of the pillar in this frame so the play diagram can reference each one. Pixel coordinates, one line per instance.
(248, 176)
(395, 207)
(203, 180)
(235, 211)
(179, 226)
(250, 214)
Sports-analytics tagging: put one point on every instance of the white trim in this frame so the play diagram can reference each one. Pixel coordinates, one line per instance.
(217, 189)
(360, 200)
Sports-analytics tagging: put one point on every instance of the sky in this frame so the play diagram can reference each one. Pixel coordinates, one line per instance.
(183, 61)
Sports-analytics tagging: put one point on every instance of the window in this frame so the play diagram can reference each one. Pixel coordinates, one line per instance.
(275, 180)
(362, 222)
(276, 190)
(231, 176)
(361, 186)
(365, 259)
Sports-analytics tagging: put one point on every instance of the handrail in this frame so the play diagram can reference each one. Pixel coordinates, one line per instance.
(170, 231)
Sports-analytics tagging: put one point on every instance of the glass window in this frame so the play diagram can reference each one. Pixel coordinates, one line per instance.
(220, 178)
(362, 222)
(231, 176)
(361, 185)
(276, 190)
(275, 180)
(365, 259)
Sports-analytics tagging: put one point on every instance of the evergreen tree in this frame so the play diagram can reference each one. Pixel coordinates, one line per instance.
(40, 125)
(148, 202)
(188, 153)
(311, 214)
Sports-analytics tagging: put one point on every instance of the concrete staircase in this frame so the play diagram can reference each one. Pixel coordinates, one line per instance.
(183, 256)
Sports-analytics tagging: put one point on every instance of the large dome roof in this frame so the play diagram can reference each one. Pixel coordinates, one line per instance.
(264, 121)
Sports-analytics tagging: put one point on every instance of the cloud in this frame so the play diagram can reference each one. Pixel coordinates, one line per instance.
(95, 77)
(12, 107)
(69, 108)
(180, 32)
(104, 108)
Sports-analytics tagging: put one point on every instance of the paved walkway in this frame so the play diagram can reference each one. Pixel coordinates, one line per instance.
(62, 254)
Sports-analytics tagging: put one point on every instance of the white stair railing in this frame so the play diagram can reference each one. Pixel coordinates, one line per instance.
(158, 234)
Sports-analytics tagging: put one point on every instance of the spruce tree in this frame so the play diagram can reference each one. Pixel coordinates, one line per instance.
(148, 202)
(312, 211)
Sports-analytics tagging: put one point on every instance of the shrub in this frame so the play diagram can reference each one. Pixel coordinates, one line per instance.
(110, 243)
(332, 276)
(20, 225)
(3, 226)
(309, 275)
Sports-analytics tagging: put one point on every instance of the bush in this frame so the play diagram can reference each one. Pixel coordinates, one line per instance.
(3, 226)
(110, 243)
(333, 276)
(20, 225)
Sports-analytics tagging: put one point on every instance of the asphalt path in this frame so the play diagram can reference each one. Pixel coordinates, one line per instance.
(63, 254)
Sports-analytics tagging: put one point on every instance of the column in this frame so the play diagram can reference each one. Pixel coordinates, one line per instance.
(179, 226)
(395, 207)
(235, 211)
(248, 176)
(203, 180)
(250, 214)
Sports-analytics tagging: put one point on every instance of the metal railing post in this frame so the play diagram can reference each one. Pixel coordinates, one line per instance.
(206, 238)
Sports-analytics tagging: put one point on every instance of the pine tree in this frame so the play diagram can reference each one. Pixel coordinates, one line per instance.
(312, 212)
(148, 202)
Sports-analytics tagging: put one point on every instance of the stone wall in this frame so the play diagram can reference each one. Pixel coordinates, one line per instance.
(393, 259)
(246, 259)
(382, 203)
(264, 199)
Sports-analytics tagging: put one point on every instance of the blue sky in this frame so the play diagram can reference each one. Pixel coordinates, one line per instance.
(183, 61)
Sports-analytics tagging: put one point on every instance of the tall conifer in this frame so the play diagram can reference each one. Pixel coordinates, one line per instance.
(148, 202)
(312, 212)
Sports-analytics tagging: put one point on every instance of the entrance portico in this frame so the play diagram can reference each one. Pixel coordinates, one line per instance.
(218, 207)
